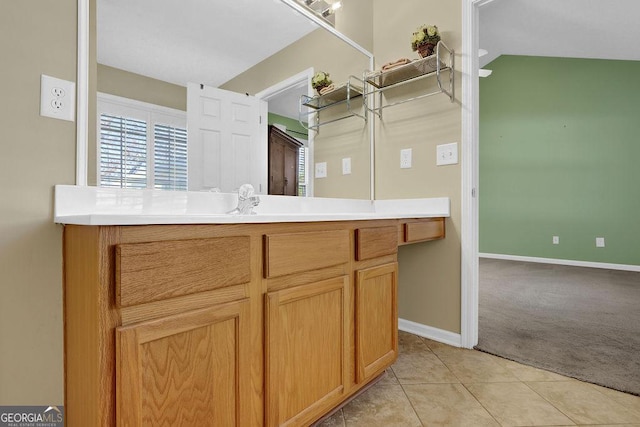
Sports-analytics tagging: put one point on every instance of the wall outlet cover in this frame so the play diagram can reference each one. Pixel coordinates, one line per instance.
(447, 154)
(57, 98)
(321, 170)
(599, 242)
(556, 240)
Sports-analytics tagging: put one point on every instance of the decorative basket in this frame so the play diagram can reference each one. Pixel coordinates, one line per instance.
(426, 49)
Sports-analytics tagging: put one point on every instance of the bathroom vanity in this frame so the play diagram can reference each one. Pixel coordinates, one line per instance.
(270, 319)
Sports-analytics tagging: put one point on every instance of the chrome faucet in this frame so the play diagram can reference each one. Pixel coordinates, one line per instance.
(246, 201)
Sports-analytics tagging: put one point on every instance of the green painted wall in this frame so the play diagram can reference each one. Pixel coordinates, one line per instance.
(559, 155)
(293, 126)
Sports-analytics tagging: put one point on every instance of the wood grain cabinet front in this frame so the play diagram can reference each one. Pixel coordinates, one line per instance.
(231, 324)
(376, 320)
(189, 369)
(422, 230)
(306, 351)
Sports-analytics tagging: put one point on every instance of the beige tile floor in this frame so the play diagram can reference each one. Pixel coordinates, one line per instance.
(435, 384)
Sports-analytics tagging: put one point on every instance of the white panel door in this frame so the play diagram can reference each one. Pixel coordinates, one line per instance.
(227, 139)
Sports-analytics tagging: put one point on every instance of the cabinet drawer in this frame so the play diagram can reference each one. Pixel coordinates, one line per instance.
(424, 229)
(296, 252)
(376, 242)
(159, 270)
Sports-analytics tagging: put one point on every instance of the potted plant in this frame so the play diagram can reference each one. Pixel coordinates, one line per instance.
(320, 80)
(425, 39)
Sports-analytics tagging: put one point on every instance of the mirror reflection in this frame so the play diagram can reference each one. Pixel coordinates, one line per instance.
(167, 69)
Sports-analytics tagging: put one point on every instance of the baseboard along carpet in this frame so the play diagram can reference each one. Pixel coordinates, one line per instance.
(576, 321)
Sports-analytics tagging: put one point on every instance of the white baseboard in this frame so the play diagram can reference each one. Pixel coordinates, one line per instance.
(432, 333)
(608, 266)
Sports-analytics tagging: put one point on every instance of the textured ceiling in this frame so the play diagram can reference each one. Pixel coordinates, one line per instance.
(201, 41)
(602, 29)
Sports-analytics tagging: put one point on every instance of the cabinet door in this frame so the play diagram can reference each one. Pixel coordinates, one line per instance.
(189, 369)
(376, 323)
(306, 351)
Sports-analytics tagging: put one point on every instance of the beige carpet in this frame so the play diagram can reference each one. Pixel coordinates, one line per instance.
(579, 322)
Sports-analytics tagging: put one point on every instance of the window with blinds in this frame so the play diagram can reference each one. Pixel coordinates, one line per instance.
(123, 152)
(170, 157)
(141, 145)
(302, 171)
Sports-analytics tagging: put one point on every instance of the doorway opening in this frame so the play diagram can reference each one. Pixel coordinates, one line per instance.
(283, 101)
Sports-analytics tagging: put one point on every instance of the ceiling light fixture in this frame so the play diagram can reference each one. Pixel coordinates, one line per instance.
(323, 9)
(331, 9)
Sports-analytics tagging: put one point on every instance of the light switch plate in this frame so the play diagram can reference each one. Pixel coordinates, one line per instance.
(346, 166)
(321, 170)
(405, 158)
(447, 154)
(57, 98)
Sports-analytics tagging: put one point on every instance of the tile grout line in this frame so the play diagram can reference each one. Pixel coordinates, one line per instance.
(462, 384)
(481, 405)
(411, 403)
(548, 401)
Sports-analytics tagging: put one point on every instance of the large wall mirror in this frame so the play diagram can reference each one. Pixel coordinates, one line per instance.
(147, 52)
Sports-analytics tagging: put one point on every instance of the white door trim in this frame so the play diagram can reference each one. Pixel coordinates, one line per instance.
(470, 162)
(82, 94)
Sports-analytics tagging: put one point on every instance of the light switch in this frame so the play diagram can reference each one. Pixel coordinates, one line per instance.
(321, 170)
(447, 154)
(346, 166)
(405, 158)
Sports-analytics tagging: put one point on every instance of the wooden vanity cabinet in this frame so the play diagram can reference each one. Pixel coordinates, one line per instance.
(376, 301)
(158, 326)
(226, 325)
(307, 324)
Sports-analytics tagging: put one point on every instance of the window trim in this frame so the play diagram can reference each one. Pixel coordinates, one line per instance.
(153, 114)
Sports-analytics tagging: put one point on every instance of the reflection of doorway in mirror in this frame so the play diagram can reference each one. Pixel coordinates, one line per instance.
(283, 105)
(284, 164)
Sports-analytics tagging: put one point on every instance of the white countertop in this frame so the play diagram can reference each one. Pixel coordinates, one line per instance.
(83, 205)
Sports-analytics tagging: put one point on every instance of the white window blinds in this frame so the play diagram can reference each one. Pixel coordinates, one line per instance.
(123, 152)
(170, 157)
(141, 145)
(302, 171)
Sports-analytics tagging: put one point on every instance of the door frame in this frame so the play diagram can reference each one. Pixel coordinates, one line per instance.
(469, 284)
(275, 90)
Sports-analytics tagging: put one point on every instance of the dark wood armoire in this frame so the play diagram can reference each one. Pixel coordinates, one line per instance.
(283, 163)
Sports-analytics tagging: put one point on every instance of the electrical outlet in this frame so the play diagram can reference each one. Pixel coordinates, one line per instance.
(405, 158)
(57, 98)
(556, 240)
(321, 170)
(346, 166)
(57, 104)
(58, 92)
(447, 154)
(599, 242)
